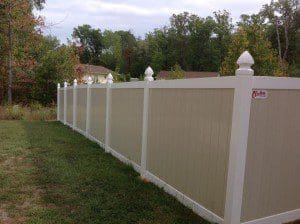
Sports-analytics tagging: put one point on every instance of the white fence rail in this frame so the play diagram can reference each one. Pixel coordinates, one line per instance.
(198, 139)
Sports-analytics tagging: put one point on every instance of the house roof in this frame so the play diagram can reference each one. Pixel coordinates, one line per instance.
(188, 75)
(93, 69)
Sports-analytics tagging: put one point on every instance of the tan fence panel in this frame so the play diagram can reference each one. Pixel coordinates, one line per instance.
(126, 122)
(188, 142)
(70, 106)
(81, 108)
(61, 104)
(97, 113)
(272, 178)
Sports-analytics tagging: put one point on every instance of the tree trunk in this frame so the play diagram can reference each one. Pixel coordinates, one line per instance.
(286, 38)
(9, 91)
(278, 39)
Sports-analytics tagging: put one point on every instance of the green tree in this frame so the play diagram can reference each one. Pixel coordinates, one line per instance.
(223, 31)
(295, 67)
(56, 64)
(203, 52)
(251, 36)
(112, 50)
(128, 44)
(156, 45)
(177, 72)
(140, 59)
(179, 37)
(19, 33)
(281, 18)
(89, 42)
(189, 42)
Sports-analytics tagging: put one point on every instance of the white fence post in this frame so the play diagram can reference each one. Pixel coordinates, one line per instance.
(148, 78)
(108, 111)
(58, 101)
(74, 103)
(65, 102)
(88, 106)
(239, 139)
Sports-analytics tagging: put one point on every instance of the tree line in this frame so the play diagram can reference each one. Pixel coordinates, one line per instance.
(194, 43)
(32, 64)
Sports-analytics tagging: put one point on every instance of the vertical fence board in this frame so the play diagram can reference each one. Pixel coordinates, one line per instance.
(81, 108)
(272, 178)
(97, 113)
(188, 142)
(70, 106)
(61, 104)
(126, 122)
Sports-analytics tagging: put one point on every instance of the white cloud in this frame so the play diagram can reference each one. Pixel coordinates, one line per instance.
(121, 8)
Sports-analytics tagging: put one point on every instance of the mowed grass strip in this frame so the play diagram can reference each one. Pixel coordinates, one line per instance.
(51, 174)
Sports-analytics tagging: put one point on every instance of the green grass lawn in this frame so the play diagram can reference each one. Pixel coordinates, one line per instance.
(50, 174)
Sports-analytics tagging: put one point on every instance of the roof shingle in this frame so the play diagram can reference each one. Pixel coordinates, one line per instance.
(93, 69)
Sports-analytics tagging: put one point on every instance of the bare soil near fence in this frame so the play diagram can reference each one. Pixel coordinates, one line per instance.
(50, 174)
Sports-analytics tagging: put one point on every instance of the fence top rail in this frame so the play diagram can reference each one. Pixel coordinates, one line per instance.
(227, 82)
(134, 85)
(98, 86)
(81, 86)
(266, 82)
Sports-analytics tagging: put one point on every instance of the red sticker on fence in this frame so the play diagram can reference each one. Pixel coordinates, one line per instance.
(259, 94)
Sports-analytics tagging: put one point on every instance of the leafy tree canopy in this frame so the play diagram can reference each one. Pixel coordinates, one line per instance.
(89, 42)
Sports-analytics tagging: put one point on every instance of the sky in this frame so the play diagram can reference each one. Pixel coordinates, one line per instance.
(139, 16)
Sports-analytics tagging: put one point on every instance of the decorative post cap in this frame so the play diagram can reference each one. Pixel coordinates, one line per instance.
(148, 74)
(65, 84)
(245, 62)
(89, 80)
(58, 85)
(109, 79)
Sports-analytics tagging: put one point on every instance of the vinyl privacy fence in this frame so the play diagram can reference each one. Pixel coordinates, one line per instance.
(227, 147)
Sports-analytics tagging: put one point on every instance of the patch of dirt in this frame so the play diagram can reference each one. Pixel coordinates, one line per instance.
(11, 163)
(30, 199)
(23, 198)
(33, 200)
(5, 219)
